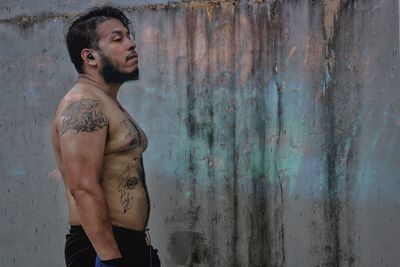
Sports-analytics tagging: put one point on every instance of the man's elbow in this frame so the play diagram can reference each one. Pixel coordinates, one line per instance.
(83, 190)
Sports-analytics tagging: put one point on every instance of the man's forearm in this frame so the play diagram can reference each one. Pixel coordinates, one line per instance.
(95, 220)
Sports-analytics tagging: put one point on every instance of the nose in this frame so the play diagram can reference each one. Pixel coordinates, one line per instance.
(131, 44)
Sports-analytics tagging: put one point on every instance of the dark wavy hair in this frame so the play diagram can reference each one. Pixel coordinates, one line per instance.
(82, 31)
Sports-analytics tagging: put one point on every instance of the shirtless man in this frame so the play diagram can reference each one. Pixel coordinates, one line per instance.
(98, 147)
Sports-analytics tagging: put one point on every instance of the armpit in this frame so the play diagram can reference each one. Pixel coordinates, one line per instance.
(83, 115)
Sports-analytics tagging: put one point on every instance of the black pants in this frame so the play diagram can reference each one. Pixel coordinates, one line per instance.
(79, 252)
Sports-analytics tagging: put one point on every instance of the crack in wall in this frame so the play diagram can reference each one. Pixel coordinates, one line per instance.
(279, 210)
(278, 258)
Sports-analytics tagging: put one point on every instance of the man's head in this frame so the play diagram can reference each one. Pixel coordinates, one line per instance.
(101, 40)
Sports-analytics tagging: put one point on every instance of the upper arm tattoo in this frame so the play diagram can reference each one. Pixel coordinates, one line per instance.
(83, 116)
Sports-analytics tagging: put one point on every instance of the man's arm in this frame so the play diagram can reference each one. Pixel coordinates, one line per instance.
(82, 129)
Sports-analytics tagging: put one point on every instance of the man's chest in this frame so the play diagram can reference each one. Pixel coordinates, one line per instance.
(124, 134)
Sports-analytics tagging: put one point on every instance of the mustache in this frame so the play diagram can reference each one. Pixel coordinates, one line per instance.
(132, 55)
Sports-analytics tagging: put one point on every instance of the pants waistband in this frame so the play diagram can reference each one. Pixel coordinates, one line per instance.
(78, 229)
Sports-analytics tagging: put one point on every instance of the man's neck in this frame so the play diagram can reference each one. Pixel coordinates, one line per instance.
(111, 89)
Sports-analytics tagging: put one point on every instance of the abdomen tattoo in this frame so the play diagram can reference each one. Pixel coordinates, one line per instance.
(83, 116)
(127, 182)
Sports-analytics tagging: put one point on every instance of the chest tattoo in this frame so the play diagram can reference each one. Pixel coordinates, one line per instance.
(131, 132)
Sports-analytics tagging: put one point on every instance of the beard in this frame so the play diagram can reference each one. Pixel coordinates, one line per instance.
(111, 74)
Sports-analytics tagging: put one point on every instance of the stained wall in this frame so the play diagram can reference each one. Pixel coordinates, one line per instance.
(273, 129)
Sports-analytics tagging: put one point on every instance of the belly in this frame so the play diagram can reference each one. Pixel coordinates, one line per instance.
(129, 208)
(124, 187)
(125, 192)
(126, 210)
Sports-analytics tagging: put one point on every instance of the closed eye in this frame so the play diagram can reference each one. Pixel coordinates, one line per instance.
(118, 36)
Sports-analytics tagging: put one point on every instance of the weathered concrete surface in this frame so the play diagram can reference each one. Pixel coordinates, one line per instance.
(273, 129)
(10, 8)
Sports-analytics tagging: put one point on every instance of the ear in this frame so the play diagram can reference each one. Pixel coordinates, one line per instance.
(89, 57)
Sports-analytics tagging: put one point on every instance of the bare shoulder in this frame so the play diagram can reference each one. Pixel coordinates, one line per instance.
(80, 111)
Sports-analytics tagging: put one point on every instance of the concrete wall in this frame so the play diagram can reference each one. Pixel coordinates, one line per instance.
(274, 130)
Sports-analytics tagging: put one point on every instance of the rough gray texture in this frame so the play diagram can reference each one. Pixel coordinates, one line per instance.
(10, 8)
(273, 129)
